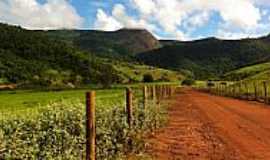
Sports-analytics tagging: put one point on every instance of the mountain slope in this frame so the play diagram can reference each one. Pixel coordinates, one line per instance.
(30, 57)
(48, 59)
(209, 57)
(124, 42)
(248, 71)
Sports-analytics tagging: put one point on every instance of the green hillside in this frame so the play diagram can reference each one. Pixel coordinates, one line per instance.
(209, 58)
(262, 76)
(253, 71)
(121, 43)
(28, 57)
(32, 58)
(131, 72)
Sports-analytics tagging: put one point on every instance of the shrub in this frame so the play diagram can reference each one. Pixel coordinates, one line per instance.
(148, 78)
(188, 82)
(210, 83)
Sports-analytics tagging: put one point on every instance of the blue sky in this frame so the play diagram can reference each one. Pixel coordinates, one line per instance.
(166, 19)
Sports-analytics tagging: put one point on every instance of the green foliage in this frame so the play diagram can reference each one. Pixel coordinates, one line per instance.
(55, 59)
(132, 72)
(210, 83)
(148, 78)
(119, 44)
(247, 72)
(188, 82)
(3, 80)
(31, 57)
(209, 58)
(58, 132)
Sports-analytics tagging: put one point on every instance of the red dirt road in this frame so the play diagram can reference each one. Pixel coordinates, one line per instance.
(207, 127)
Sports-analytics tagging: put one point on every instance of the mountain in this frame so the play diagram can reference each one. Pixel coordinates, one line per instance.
(52, 58)
(208, 58)
(122, 43)
(28, 57)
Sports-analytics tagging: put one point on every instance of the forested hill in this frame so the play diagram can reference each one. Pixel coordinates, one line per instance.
(208, 57)
(51, 58)
(34, 58)
(121, 43)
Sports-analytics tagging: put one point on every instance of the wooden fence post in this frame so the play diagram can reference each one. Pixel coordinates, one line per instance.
(145, 96)
(234, 90)
(246, 91)
(255, 91)
(170, 91)
(161, 92)
(265, 92)
(129, 106)
(90, 125)
(154, 93)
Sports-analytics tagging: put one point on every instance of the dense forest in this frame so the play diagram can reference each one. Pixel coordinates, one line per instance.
(70, 58)
(124, 43)
(28, 57)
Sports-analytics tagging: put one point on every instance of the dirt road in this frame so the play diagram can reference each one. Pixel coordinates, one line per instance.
(207, 127)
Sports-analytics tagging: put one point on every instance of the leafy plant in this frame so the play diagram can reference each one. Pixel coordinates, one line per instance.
(58, 132)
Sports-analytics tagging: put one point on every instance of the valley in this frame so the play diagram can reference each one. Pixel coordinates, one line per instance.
(148, 98)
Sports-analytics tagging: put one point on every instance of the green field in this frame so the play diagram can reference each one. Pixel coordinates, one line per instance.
(136, 72)
(40, 119)
(30, 99)
(18, 102)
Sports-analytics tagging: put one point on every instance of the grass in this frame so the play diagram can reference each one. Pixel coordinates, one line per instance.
(249, 72)
(135, 72)
(262, 76)
(28, 99)
(21, 102)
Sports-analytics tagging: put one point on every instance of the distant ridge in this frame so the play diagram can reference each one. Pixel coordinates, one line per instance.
(210, 57)
(123, 42)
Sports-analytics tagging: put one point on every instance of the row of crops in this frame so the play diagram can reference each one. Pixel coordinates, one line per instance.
(57, 131)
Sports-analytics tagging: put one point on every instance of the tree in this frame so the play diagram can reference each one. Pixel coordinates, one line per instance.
(148, 78)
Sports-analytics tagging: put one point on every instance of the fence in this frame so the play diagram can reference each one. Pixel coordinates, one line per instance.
(255, 90)
(157, 94)
(74, 130)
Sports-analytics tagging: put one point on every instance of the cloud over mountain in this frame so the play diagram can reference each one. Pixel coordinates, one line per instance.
(178, 18)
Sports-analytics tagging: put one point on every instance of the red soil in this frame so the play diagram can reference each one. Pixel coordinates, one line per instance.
(207, 127)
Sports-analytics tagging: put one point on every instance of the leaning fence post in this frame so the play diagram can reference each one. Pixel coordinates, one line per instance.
(129, 106)
(265, 92)
(90, 125)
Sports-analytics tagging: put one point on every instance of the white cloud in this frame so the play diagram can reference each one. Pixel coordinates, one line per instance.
(119, 19)
(52, 14)
(240, 13)
(171, 16)
(228, 32)
(261, 2)
(180, 18)
(105, 22)
(145, 6)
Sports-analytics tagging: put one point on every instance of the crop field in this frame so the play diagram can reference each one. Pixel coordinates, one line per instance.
(52, 124)
(20, 101)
